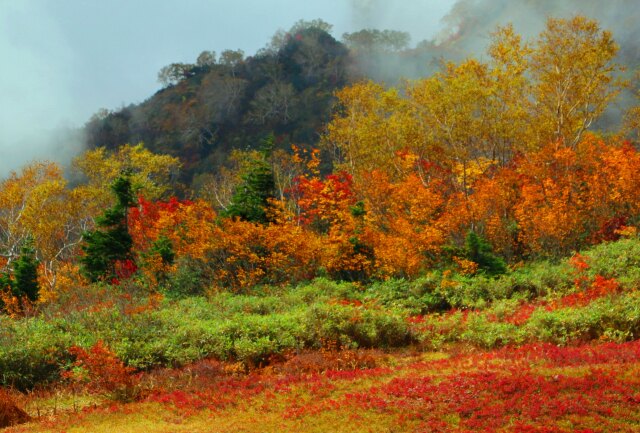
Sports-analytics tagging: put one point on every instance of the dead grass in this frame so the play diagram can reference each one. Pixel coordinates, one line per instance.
(10, 413)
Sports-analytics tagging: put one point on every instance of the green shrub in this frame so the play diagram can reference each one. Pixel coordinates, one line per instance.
(482, 332)
(355, 326)
(419, 296)
(31, 352)
(611, 316)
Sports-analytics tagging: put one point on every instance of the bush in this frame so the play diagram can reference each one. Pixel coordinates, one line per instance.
(102, 371)
(355, 326)
(614, 316)
(420, 296)
(31, 352)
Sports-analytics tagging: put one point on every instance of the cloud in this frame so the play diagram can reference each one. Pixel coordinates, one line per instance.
(36, 110)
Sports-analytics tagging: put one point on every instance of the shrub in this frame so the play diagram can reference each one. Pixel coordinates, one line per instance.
(355, 326)
(419, 296)
(31, 351)
(102, 371)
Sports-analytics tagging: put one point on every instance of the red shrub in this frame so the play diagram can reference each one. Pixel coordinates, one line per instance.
(102, 371)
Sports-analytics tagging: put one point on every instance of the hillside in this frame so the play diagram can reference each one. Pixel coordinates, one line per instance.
(233, 102)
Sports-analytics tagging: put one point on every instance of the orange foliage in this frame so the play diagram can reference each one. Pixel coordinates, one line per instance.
(558, 199)
(404, 223)
(189, 226)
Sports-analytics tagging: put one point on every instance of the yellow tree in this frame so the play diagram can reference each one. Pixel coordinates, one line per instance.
(370, 127)
(151, 174)
(37, 204)
(510, 105)
(574, 73)
(452, 108)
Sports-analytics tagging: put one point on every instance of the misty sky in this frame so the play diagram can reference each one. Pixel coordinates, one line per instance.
(62, 60)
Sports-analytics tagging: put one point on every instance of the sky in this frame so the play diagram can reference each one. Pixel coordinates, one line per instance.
(63, 60)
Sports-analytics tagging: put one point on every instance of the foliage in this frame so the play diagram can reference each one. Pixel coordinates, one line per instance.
(480, 252)
(25, 273)
(251, 198)
(104, 247)
(101, 370)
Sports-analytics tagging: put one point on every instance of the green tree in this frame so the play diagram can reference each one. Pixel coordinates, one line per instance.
(25, 272)
(478, 250)
(110, 241)
(251, 199)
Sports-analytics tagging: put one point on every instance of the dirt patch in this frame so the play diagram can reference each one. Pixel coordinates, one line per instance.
(10, 414)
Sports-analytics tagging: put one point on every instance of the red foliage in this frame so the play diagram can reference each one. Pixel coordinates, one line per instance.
(321, 201)
(102, 371)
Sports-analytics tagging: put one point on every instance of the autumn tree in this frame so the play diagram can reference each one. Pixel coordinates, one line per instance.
(174, 73)
(370, 126)
(36, 203)
(574, 71)
(150, 174)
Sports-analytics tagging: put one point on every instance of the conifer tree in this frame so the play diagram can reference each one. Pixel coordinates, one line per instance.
(25, 272)
(110, 241)
(478, 250)
(251, 198)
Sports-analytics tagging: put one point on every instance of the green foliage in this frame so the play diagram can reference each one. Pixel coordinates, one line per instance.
(619, 260)
(25, 273)
(163, 248)
(31, 351)
(352, 326)
(189, 279)
(111, 241)
(421, 296)
(615, 318)
(478, 250)
(251, 199)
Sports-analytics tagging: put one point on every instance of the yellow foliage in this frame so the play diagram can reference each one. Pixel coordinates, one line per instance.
(151, 174)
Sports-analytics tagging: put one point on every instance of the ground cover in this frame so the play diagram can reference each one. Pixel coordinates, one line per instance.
(533, 388)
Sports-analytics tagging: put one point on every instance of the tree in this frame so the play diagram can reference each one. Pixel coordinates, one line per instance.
(174, 73)
(368, 40)
(479, 251)
(206, 59)
(150, 173)
(251, 198)
(25, 272)
(111, 242)
(37, 204)
(574, 73)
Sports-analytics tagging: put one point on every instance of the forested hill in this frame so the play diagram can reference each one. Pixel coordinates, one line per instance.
(226, 102)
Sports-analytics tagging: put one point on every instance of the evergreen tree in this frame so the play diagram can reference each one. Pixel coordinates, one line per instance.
(110, 241)
(251, 198)
(478, 250)
(25, 273)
